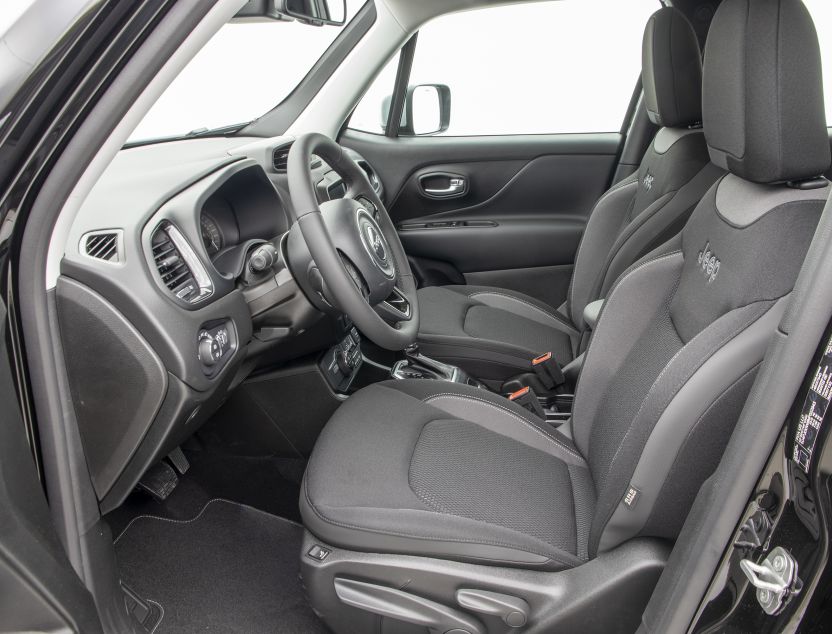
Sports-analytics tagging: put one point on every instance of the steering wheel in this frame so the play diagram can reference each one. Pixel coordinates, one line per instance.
(355, 263)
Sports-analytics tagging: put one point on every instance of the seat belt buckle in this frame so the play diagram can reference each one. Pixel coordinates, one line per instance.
(527, 399)
(548, 371)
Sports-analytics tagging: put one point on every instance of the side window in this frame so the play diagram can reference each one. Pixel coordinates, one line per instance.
(370, 115)
(560, 66)
(821, 11)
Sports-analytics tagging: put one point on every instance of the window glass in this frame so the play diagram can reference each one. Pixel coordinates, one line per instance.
(370, 115)
(244, 71)
(548, 67)
(821, 11)
(11, 12)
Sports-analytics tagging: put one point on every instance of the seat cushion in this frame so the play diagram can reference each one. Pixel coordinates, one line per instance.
(457, 473)
(491, 333)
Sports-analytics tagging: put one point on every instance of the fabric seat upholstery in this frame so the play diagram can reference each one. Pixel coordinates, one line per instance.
(494, 332)
(457, 472)
(437, 469)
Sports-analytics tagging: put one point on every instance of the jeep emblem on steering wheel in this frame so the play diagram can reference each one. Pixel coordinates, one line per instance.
(374, 243)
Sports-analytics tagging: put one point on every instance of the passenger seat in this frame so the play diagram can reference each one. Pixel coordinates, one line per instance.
(492, 332)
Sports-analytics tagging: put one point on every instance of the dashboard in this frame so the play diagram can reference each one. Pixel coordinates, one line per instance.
(163, 263)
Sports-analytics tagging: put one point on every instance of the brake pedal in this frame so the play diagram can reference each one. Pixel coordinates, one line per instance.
(160, 481)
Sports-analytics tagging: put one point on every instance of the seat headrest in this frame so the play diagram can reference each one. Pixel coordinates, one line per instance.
(763, 110)
(671, 70)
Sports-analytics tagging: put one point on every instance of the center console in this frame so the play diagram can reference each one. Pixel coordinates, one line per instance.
(541, 391)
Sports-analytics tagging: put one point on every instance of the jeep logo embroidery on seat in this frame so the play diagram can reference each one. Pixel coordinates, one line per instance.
(647, 181)
(709, 262)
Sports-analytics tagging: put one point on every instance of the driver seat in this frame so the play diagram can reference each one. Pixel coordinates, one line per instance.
(493, 333)
(437, 506)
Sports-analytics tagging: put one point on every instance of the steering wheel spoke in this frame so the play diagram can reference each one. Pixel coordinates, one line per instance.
(356, 277)
(395, 308)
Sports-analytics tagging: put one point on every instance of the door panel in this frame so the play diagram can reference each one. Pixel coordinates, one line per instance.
(39, 591)
(520, 219)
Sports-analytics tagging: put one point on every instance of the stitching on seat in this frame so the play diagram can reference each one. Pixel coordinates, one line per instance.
(522, 301)
(505, 410)
(547, 556)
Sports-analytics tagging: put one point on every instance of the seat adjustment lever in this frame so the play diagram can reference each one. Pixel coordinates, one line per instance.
(513, 610)
(396, 604)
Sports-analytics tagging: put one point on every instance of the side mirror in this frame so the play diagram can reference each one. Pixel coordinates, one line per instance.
(427, 110)
(315, 12)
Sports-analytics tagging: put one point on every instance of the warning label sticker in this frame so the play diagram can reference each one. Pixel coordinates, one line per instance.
(814, 409)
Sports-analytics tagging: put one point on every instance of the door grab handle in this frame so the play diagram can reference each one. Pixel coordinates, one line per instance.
(456, 185)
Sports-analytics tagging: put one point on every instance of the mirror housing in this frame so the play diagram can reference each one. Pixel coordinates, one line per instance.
(313, 12)
(427, 110)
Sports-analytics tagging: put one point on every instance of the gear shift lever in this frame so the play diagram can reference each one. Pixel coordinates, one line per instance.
(431, 368)
(417, 366)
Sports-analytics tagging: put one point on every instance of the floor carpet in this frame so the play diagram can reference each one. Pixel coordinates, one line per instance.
(229, 568)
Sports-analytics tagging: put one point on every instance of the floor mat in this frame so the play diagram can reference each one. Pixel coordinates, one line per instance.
(231, 568)
(270, 484)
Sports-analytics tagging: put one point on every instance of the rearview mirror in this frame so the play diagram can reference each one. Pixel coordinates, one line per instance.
(315, 12)
(427, 110)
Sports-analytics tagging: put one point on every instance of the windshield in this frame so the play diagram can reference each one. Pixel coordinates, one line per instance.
(244, 71)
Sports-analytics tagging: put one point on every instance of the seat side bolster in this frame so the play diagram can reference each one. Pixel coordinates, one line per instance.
(626, 314)
(605, 222)
(714, 378)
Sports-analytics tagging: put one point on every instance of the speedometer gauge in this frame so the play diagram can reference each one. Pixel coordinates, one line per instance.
(211, 235)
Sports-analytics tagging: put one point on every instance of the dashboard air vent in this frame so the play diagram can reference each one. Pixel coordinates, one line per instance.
(179, 268)
(102, 245)
(280, 159)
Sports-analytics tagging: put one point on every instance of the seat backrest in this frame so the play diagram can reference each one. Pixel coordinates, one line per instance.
(644, 210)
(679, 340)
